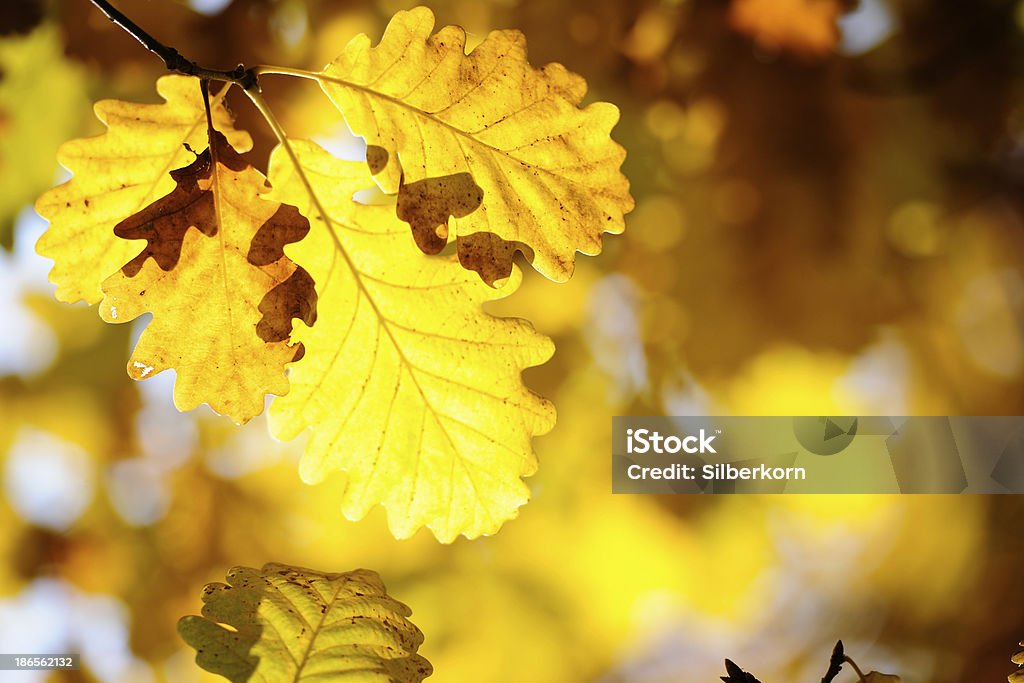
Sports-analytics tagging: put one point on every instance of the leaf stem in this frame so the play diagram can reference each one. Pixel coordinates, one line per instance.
(286, 71)
(204, 87)
(860, 674)
(173, 60)
(282, 138)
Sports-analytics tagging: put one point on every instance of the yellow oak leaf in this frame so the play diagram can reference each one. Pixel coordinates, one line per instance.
(412, 390)
(502, 147)
(116, 175)
(223, 294)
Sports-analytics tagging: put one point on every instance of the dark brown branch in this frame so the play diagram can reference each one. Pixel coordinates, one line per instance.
(173, 59)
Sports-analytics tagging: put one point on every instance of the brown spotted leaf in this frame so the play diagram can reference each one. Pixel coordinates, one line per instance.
(284, 623)
(118, 174)
(486, 138)
(215, 276)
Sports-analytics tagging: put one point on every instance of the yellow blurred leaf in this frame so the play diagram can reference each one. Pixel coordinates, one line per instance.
(875, 677)
(41, 93)
(486, 138)
(223, 295)
(412, 390)
(116, 175)
(288, 623)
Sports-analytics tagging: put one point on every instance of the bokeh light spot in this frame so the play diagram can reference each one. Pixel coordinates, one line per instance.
(48, 481)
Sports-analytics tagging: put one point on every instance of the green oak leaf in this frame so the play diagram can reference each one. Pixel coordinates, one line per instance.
(284, 623)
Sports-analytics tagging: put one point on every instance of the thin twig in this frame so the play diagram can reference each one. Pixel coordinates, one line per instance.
(173, 60)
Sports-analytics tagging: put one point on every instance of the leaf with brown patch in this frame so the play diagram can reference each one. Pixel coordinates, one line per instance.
(409, 388)
(118, 174)
(548, 168)
(221, 289)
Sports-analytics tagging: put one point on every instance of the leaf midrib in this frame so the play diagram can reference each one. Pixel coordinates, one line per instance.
(214, 101)
(320, 76)
(368, 91)
(316, 632)
(385, 323)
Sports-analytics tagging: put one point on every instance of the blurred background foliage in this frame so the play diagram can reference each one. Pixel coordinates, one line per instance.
(829, 220)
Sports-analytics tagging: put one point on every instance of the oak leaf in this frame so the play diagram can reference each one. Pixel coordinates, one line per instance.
(289, 623)
(507, 149)
(116, 175)
(412, 390)
(223, 293)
